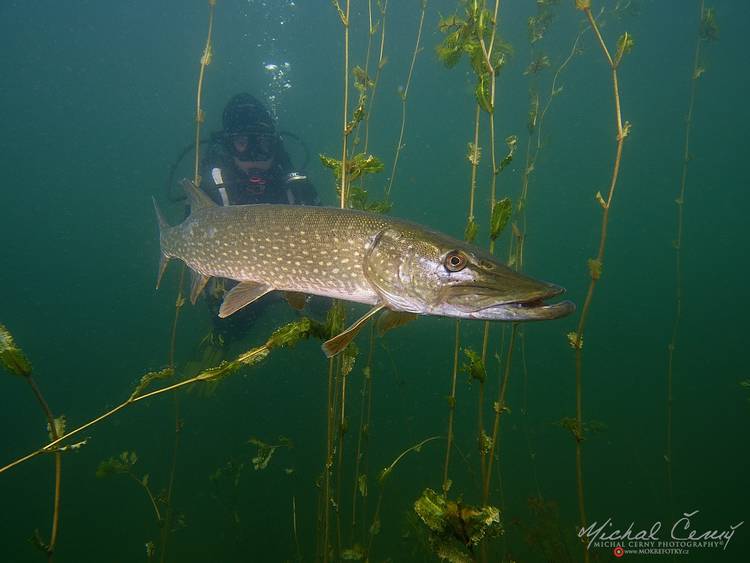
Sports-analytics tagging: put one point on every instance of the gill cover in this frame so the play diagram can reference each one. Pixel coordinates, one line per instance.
(402, 271)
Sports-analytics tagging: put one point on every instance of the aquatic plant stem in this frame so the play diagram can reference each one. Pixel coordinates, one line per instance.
(381, 63)
(199, 119)
(595, 270)
(404, 95)
(474, 166)
(334, 368)
(199, 115)
(58, 464)
(170, 486)
(554, 91)
(451, 406)
(383, 477)
(179, 302)
(499, 407)
(251, 357)
(150, 497)
(294, 528)
(487, 52)
(364, 424)
(344, 16)
(330, 416)
(341, 445)
(680, 201)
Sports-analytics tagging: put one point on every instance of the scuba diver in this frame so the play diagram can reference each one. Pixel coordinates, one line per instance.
(247, 163)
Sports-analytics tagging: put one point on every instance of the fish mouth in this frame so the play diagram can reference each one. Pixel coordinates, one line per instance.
(533, 308)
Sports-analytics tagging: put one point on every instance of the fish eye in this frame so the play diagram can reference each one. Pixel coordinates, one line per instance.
(455, 261)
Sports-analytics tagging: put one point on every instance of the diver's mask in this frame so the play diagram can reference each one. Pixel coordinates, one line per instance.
(253, 146)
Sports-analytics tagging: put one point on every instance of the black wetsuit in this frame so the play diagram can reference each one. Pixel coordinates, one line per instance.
(228, 184)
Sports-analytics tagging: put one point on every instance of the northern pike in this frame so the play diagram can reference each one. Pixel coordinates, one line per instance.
(393, 265)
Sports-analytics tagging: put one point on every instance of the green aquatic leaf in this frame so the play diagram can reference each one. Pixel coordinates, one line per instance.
(287, 335)
(538, 24)
(474, 366)
(117, 465)
(456, 528)
(625, 44)
(264, 454)
(537, 65)
(70, 447)
(362, 82)
(37, 541)
(358, 114)
(265, 451)
(375, 527)
(449, 51)
(290, 334)
(59, 424)
(574, 340)
(431, 508)
(11, 356)
(485, 443)
(362, 163)
(571, 425)
(709, 28)
(150, 377)
(474, 153)
(533, 116)
(470, 233)
(501, 213)
(150, 549)
(348, 357)
(595, 268)
(359, 199)
(512, 143)
(457, 32)
(354, 553)
(483, 94)
(332, 163)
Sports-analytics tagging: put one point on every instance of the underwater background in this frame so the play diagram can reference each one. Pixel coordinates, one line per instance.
(98, 100)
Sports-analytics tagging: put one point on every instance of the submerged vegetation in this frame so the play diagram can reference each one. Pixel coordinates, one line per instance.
(460, 504)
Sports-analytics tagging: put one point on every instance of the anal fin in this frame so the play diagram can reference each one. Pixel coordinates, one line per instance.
(241, 295)
(164, 260)
(199, 281)
(340, 341)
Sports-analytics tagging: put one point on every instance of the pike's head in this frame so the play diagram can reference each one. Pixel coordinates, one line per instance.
(429, 273)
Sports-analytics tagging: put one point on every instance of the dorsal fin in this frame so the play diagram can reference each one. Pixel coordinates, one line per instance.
(197, 198)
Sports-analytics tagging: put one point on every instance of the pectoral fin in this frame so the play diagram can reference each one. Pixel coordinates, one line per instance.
(340, 341)
(242, 294)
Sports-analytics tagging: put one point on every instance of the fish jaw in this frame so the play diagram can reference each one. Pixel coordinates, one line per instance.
(532, 308)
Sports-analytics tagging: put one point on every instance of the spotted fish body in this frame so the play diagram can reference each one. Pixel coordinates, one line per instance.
(312, 250)
(391, 264)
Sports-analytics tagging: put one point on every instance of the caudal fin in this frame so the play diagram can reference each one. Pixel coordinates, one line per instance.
(164, 260)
